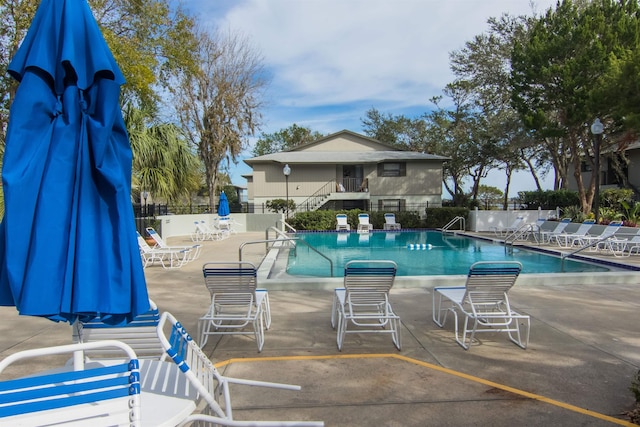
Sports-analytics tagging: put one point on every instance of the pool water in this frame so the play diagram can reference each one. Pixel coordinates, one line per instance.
(418, 253)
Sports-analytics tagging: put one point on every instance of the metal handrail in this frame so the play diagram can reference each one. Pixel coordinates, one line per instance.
(451, 223)
(285, 226)
(518, 233)
(319, 195)
(279, 240)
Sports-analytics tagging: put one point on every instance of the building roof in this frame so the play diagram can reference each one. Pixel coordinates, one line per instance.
(343, 157)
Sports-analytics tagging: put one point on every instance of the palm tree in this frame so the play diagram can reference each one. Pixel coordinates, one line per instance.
(163, 163)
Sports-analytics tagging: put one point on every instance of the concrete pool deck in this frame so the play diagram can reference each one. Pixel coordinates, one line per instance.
(583, 354)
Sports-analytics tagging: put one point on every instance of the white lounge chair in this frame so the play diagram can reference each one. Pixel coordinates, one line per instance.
(204, 232)
(545, 235)
(364, 226)
(236, 302)
(390, 222)
(567, 240)
(194, 250)
(226, 223)
(206, 379)
(168, 258)
(363, 303)
(483, 303)
(621, 246)
(140, 334)
(503, 231)
(608, 232)
(84, 396)
(341, 222)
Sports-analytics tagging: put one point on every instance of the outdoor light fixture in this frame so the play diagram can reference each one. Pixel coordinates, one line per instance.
(144, 196)
(597, 129)
(286, 170)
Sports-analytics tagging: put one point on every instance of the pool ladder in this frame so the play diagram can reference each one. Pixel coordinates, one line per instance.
(457, 220)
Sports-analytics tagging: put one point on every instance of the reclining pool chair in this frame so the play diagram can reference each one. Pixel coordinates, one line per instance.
(206, 379)
(364, 226)
(363, 303)
(341, 222)
(87, 396)
(140, 334)
(567, 240)
(236, 302)
(483, 303)
(390, 222)
(168, 258)
(194, 250)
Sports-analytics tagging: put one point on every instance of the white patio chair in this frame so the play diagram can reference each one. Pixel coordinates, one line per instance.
(608, 232)
(139, 334)
(364, 226)
(236, 302)
(503, 231)
(363, 304)
(168, 258)
(545, 235)
(483, 303)
(204, 232)
(621, 246)
(90, 396)
(390, 222)
(341, 222)
(194, 250)
(206, 379)
(227, 223)
(567, 240)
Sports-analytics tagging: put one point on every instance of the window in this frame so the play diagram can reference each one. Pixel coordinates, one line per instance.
(392, 169)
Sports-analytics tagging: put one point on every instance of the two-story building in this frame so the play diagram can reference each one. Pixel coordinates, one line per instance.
(347, 170)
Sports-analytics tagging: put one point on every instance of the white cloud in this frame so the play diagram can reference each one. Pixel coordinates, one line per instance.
(332, 60)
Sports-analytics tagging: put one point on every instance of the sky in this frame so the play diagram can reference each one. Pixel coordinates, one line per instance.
(330, 61)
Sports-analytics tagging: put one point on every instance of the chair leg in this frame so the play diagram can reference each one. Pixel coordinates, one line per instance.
(437, 310)
(342, 329)
(527, 327)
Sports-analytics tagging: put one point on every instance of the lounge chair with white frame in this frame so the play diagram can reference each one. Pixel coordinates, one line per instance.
(364, 226)
(194, 250)
(503, 231)
(483, 303)
(567, 240)
(594, 240)
(206, 379)
(621, 246)
(545, 235)
(390, 222)
(140, 334)
(93, 395)
(204, 232)
(363, 304)
(168, 258)
(236, 302)
(341, 222)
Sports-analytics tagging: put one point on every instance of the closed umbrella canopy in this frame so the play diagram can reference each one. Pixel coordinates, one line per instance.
(68, 245)
(223, 205)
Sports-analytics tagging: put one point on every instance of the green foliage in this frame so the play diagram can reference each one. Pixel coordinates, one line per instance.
(280, 205)
(635, 386)
(489, 196)
(284, 139)
(439, 217)
(574, 212)
(631, 213)
(326, 219)
(615, 197)
(549, 199)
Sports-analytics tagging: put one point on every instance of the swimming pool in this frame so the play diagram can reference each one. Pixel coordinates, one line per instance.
(419, 253)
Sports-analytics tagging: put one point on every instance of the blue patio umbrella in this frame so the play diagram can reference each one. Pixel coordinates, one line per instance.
(68, 245)
(223, 205)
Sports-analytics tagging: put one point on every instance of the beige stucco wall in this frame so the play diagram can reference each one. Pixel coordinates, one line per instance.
(345, 142)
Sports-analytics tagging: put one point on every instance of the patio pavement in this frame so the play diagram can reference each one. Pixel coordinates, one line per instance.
(583, 354)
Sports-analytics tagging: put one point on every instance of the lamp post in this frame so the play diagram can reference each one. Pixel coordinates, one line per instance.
(144, 221)
(596, 129)
(286, 170)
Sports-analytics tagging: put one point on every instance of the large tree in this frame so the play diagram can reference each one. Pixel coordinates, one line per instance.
(563, 74)
(151, 41)
(284, 139)
(219, 105)
(163, 162)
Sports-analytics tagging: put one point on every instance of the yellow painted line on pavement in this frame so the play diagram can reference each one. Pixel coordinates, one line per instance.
(437, 368)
